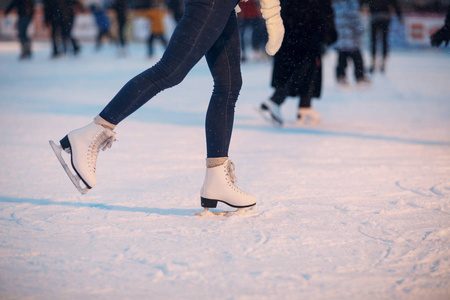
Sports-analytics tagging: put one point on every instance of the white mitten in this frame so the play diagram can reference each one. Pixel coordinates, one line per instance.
(270, 10)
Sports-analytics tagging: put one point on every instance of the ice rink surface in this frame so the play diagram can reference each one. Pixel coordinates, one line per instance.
(357, 207)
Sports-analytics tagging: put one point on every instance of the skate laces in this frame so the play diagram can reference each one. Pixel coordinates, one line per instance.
(101, 141)
(230, 169)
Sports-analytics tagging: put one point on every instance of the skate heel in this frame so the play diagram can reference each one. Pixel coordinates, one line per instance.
(208, 203)
(65, 144)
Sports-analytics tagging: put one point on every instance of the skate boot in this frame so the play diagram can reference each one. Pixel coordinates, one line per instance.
(308, 115)
(363, 83)
(219, 186)
(271, 112)
(83, 146)
(342, 82)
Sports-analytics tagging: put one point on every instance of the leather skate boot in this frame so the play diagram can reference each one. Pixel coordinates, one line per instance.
(83, 145)
(219, 186)
(308, 115)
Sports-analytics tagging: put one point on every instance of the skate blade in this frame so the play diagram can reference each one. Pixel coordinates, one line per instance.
(73, 177)
(240, 211)
(266, 115)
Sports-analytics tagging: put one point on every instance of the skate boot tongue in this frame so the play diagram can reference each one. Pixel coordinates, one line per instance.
(108, 142)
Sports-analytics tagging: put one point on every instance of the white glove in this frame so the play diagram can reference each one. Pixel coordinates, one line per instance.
(270, 10)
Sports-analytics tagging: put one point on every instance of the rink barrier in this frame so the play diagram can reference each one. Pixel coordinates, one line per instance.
(414, 31)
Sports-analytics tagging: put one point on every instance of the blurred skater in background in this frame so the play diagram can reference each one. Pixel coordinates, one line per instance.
(443, 34)
(380, 12)
(350, 30)
(250, 20)
(154, 11)
(297, 68)
(59, 14)
(120, 7)
(25, 11)
(103, 24)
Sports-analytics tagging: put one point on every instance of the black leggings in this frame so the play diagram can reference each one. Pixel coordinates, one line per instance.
(281, 93)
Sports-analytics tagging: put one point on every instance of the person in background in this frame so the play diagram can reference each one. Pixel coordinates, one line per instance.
(103, 24)
(297, 68)
(380, 12)
(250, 17)
(25, 11)
(154, 11)
(59, 14)
(120, 8)
(443, 34)
(350, 29)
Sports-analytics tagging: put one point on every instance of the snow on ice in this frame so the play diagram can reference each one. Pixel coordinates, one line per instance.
(357, 207)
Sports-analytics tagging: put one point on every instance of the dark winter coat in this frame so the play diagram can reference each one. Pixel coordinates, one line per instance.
(309, 26)
(348, 25)
(24, 7)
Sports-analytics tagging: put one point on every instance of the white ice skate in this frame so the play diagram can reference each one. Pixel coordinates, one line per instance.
(342, 83)
(363, 83)
(219, 186)
(271, 112)
(83, 146)
(308, 116)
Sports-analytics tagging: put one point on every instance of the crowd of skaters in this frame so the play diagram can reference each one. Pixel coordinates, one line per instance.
(59, 18)
(311, 26)
(315, 25)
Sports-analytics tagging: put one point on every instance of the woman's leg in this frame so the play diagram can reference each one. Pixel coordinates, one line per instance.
(358, 64)
(280, 94)
(73, 41)
(150, 40)
(342, 65)
(198, 29)
(98, 40)
(374, 30)
(22, 28)
(224, 62)
(56, 33)
(384, 27)
(305, 101)
(121, 34)
(373, 35)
